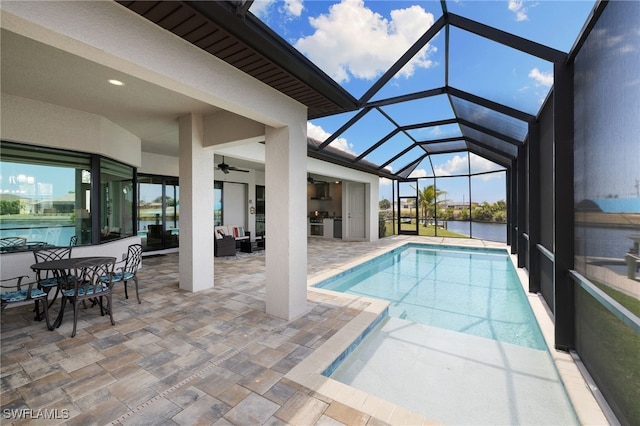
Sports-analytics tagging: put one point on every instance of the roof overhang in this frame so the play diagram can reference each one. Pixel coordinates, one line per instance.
(243, 41)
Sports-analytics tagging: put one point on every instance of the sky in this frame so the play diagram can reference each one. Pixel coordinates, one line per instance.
(356, 41)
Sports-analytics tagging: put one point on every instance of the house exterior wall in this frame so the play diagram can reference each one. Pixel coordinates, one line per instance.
(131, 44)
(38, 123)
(158, 164)
(110, 35)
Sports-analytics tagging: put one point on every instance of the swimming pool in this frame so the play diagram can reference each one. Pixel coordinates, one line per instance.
(459, 342)
(468, 290)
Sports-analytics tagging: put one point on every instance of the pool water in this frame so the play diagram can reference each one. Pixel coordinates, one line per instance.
(459, 342)
(468, 290)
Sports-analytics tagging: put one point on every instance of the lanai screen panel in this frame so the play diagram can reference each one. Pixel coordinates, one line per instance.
(397, 143)
(428, 75)
(423, 110)
(500, 145)
(362, 134)
(480, 164)
(450, 164)
(607, 203)
(491, 119)
(543, 22)
(435, 132)
(489, 155)
(486, 69)
(406, 159)
(435, 148)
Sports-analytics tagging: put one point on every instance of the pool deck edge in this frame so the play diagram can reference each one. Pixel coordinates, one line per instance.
(584, 403)
(309, 371)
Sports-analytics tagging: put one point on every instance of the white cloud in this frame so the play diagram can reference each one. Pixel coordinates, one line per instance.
(454, 166)
(479, 165)
(353, 41)
(418, 173)
(436, 131)
(294, 7)
(458, 165)
(318, 133)
(385, 181)
(260, 8)
(541, 78)
(518, 7)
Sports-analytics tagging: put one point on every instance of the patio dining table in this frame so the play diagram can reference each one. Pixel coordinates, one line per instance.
(61, 268)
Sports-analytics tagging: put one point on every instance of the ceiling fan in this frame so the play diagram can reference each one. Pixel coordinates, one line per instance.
(310, 179)
(227, 168)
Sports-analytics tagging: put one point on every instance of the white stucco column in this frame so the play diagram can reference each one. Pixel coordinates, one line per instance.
(196, 206)
(286, 205)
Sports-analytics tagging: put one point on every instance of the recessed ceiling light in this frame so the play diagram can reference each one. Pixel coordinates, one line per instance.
(116, 82)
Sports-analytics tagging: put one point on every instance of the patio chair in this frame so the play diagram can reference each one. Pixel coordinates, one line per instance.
(129, 269)
(49, 279)
(90, 283)
(224, 246)
(14, 293)
(8, 244)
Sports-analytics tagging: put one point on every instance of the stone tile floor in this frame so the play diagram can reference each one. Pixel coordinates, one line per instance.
(208, 358)
(179, 358)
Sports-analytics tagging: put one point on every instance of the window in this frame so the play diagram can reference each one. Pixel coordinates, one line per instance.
(158, 211)
(52, 197)
(217, 203)
(116, 200)
(45, 196)
(260, 209)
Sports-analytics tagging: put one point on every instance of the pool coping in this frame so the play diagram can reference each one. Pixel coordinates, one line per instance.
(310, 371)
(587, 408)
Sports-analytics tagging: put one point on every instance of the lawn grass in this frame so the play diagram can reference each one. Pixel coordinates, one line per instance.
(425, 231)
(631, 303)
(610, 349)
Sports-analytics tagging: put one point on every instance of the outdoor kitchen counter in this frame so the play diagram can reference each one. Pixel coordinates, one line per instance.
(320, 227)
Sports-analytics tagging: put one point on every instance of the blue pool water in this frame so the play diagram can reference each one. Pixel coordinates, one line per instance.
(468, 290)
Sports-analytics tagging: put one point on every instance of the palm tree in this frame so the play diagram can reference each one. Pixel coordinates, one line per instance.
(427, 200)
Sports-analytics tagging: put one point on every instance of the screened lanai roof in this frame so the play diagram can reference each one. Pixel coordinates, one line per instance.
(399, 86)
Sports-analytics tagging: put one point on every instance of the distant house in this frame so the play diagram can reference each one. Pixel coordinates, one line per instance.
(58, 205)
(457, 205)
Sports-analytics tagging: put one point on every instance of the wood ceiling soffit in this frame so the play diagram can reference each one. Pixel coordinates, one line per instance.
(242, 58)
(180, 17)
(193, 30)
(140, 7)
(186, 22)
(223, 47)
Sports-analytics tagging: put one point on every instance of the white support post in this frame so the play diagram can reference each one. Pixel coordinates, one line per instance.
(196, 206)
(286, 236)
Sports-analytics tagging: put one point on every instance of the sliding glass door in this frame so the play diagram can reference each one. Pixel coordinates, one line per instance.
(158, 212)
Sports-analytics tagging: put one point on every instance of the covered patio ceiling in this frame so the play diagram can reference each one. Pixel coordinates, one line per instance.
(492, 125)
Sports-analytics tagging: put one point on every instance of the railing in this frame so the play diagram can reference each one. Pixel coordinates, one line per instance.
(608, 343)
(619, 311)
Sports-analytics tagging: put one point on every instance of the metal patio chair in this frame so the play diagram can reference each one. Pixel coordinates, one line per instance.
(129, 269)
(9, 244)
(15, 293)
(50, 279)
(89, 283)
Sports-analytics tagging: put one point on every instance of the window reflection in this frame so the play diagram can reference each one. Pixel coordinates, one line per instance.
(44, 197)
(116, 200)
(158, 212)
(607, 158)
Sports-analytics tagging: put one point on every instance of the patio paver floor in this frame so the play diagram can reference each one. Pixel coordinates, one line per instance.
(180, 358)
